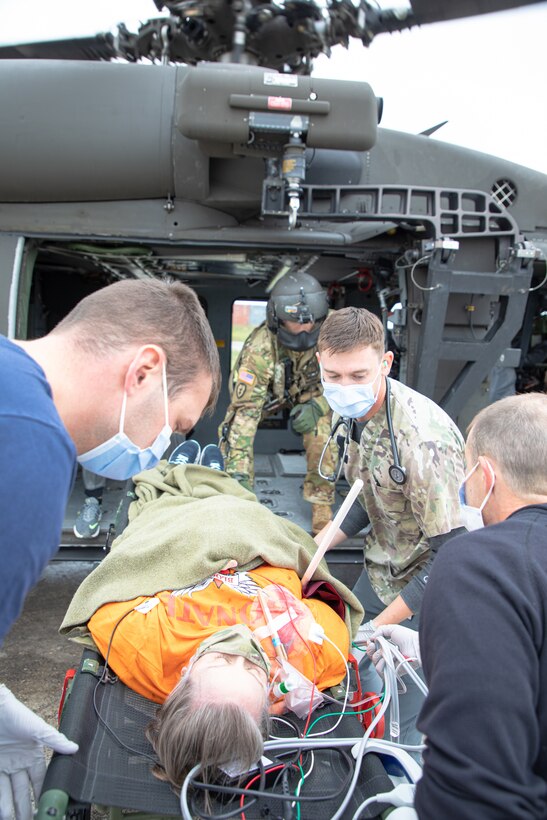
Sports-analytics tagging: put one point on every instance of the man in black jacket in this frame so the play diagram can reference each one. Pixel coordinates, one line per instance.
(483, 636)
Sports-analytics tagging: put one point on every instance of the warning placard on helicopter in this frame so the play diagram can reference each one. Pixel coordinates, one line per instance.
(281, 79)
(280, 103)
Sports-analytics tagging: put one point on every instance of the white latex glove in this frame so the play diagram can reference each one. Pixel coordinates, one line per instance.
(405, 639)
(23, 736)
(364, 634)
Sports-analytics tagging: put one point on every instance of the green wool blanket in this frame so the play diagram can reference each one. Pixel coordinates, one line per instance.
(187, 523)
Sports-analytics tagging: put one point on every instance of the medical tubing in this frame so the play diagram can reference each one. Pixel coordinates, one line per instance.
(342, 742)
(361, 752)
(104, 679)
(364, 805)
(394, 714)
(272, 795)
(389, 674)
(327, 731)
(335, 525)
(184, 808)
(354, 704)
(311, 743)
(405, 662)
(400, 796)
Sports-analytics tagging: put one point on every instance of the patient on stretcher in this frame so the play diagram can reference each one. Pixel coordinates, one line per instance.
(198, 605)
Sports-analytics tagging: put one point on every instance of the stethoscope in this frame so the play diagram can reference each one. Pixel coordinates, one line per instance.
(396, 471)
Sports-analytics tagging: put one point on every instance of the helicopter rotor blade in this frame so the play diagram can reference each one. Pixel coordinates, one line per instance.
(97, 47)
(283, 36)
(435, 11)
(429, 131)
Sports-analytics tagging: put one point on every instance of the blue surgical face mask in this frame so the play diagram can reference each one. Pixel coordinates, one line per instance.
(352, 401)
(472, 516)
(119, 458)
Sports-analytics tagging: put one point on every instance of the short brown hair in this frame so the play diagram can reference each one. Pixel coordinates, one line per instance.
(351, 328)
(186, 732)
(161, 312)
(513, 432)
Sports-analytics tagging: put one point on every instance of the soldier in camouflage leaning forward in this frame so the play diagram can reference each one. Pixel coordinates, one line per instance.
(277, 368)
(411, 510)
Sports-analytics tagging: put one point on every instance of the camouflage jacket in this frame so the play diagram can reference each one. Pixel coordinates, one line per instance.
(404, 517)
(266, 376)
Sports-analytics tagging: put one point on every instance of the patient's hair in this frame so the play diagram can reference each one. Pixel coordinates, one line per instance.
(138, 312)
(186, 732)
(513, 432)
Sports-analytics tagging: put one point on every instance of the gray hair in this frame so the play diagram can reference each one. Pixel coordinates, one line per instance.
(186, 732)
(513, 432)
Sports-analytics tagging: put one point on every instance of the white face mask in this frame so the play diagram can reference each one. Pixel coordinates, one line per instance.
(472, 516)
(352, 401)
(119, 458)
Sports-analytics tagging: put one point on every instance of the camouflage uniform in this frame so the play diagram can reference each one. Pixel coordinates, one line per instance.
(259, 386)
(404, 517)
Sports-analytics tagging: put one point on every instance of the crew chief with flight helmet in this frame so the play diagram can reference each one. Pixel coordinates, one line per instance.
(277, 368)
(410, 456)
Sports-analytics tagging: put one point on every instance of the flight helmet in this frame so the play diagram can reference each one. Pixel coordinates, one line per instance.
(297, 297)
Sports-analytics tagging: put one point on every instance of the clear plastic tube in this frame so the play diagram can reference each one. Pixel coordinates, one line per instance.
(361, 751)
(394, 715)
(390, 676)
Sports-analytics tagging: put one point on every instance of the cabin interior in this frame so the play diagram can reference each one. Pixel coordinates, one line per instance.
(232, 285)
(232, 288)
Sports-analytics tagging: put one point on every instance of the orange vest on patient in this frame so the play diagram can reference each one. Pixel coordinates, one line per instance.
(150, 647)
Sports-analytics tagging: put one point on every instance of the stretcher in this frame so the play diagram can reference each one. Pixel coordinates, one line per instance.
(108, 721)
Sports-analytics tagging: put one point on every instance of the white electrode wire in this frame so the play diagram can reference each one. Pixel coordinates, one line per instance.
(326, 541)
(303, 778)
(184, 808)
(345, 703)
(361, 752)
(312, 764)
(279, 719)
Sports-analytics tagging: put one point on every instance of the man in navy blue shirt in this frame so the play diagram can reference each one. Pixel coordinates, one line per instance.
(483, 635)
(130, 364)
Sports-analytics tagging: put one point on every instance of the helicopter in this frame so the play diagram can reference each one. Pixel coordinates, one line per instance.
(201, 147)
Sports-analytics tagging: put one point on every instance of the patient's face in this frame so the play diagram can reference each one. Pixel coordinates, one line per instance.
(230, 678)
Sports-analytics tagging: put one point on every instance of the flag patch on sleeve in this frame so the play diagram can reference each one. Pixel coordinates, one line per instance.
(245, 376)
